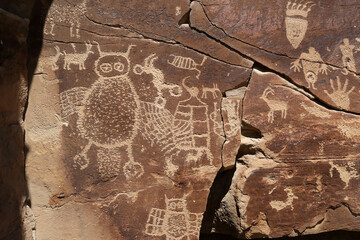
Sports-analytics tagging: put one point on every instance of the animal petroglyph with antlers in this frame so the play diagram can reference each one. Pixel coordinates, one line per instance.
(274, 105)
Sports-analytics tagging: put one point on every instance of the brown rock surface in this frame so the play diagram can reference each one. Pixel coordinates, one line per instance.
(164, 119)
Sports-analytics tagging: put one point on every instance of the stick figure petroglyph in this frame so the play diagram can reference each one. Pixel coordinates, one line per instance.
(274, 105)
(107, 112)
(312, 64)
(77, 58)
(347, 51)
(67, 13)
(340, 96)
(186, 63)
(187, 130)
(295, 21)
(175, 221)
(158, 79)
(215, 91)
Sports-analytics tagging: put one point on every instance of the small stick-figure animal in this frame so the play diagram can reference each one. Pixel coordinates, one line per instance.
(274, 105)
(77, 58)
(213, 90)
(186, 63)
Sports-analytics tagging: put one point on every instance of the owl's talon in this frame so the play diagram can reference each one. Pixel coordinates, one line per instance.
(82, 161)
(133, 169)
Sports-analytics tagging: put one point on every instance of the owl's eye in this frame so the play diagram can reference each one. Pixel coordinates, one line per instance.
(119, 66)
(106, 67)
(180, 205)
(172, 205)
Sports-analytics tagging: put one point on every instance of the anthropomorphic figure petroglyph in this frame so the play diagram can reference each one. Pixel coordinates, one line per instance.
(158, 79)
(186, 63)
(175, 221)
(312, 64)
(107, 112)
(274, 105)
(65, 13)
(185, 131)
(295, 21)
(77, 58)
(347, 51)
(340, 95)
(215, 91)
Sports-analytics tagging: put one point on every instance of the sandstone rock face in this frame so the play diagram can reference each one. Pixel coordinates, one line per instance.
(135, 107)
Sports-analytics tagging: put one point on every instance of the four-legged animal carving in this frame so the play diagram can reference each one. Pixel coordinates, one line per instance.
(274, 105)
(77, 58)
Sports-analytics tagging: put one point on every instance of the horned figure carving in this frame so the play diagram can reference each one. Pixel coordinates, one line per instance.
(77, 58)
(274, 105)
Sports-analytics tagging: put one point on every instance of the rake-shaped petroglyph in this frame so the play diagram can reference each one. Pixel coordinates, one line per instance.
(274, 105)
(158, 79)
(312, 65)
(65, 13)
(347, 51)
(107, 113)
(187, 130)
(295, 21)
(215, 91)
(175, 221)
(77, 58)
(186, 63)
(340, 95)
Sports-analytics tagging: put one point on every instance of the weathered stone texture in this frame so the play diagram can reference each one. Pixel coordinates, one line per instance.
(135, 107)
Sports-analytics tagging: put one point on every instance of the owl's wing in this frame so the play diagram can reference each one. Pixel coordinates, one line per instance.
(70, 100)
(155, 222)
(195, 223)
(157, 123)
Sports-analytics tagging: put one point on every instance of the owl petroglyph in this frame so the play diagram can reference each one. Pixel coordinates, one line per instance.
(175, 221)
(107, 113)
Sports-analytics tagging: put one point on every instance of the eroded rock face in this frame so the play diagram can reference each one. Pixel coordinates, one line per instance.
(135, 107)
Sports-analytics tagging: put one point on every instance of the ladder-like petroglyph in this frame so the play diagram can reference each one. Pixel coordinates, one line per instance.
(274, 105)
(175, 221)
(77, 58)
(66, 13)
(312, 65)
(186, 130)
(340, 95)
(186, 63)
(215, 91)
(348, 60)
(158, 79)
(296, 21)
(107, 113)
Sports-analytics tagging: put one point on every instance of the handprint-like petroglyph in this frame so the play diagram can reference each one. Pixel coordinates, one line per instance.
(347, 51)
(175, 221)
(340, 95)
(215, 91)
(346, 172)
(187, 130)
(274, 105)
(280, 205)
(77, 58)
(295, 21)
(107, 112)
(158, 79)
(186, 63)
(312, 64)
(66, 13)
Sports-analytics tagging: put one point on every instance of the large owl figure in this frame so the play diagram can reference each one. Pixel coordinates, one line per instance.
(175, 222)
(107, 115)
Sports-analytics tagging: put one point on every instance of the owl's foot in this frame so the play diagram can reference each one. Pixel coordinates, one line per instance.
(82, 161)
(133, 170)
(170, 167)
